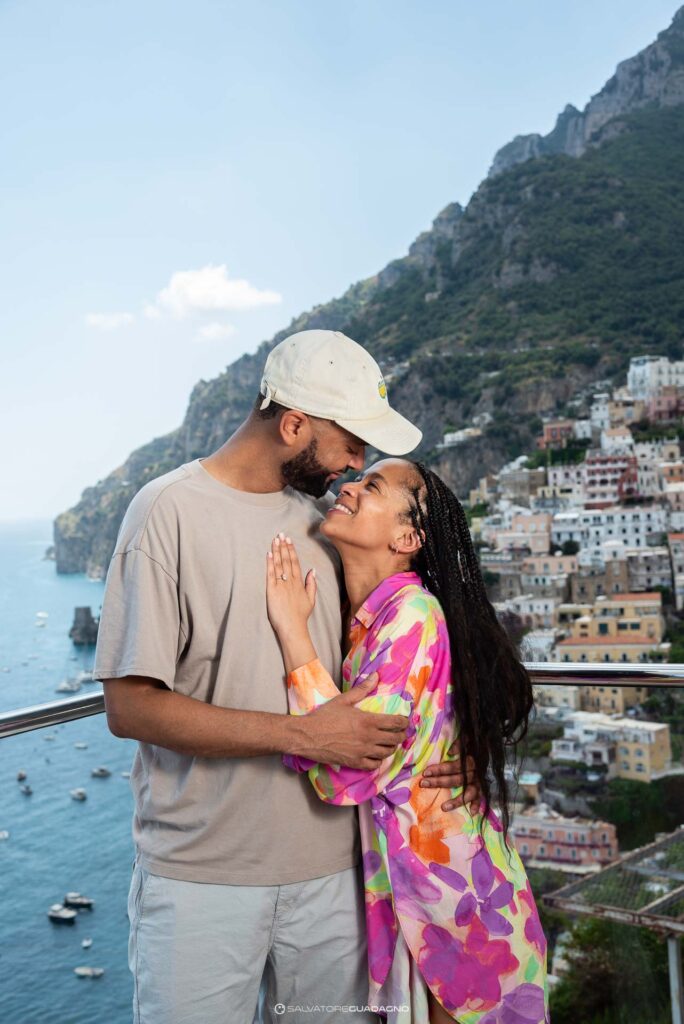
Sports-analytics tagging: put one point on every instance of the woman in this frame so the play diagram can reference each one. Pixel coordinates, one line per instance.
(453, 930)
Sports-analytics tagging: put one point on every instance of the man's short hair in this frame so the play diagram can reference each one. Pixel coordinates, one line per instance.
(270, 412)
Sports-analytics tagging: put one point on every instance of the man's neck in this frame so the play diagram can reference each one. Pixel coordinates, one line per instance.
(246, 463)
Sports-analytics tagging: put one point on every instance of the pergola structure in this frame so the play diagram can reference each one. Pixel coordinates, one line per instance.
(644, 888)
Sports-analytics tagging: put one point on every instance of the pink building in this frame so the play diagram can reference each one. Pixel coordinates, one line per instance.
(527, 530)
(667, 404)
(609, 478)
(556, 434)
(544, 836)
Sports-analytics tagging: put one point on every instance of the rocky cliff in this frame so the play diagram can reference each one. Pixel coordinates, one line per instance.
(653, 78)
(558, 270)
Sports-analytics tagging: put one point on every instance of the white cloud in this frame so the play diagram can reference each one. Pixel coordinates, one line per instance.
(215, 332)
(151, 312)
(208, 289)
(108, 321)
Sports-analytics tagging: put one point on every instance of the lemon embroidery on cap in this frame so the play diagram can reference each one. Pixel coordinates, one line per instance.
(382, 388)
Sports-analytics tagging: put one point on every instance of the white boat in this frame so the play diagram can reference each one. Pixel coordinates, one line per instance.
(68, 686)
(6, 668)
(81, 745)
(78, 902)
(101, 772)
(61, 914)
(125, 775)
(78, 794)
(87, 943)
(85, 677)
(26, 789)
(21, 776)
(40, 624)
(49, 738)
(4, 834)
(89, 972)
(41, 615)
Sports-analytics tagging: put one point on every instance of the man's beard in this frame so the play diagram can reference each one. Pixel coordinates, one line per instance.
(305, 473)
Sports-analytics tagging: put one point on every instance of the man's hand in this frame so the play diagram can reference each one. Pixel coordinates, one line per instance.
(339, 733)
(450, 775)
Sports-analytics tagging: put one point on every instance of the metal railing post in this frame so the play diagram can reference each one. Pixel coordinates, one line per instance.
(674, 957)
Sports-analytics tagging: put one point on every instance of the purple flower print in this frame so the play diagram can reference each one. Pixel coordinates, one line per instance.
(465, 975)
(381, 928)
(534, 933)
(487, 900)
(452, 878)
(524, 1005)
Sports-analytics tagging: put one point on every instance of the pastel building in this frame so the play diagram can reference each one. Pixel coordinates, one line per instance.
(675, 543)
(624, 747)
(647, 375)
(552, 695)
(609, 477)
(527, 530)
(611, 700)
(535, 612)
(633, 526)
(625, 627)
(556, 433)
(644, 752)
(545, 837)
(547, 574)
(599, 577)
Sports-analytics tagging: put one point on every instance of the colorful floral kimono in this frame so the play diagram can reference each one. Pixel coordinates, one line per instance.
(447, 906)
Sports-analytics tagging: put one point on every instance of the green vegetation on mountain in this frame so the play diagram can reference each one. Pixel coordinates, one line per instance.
(557, 272)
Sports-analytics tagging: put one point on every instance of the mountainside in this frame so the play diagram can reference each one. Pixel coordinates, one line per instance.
(653, 78)
(559, 269)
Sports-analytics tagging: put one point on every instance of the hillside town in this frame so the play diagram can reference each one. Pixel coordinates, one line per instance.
(582, 548)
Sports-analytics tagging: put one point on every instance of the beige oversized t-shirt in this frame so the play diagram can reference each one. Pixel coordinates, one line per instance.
(185, 603)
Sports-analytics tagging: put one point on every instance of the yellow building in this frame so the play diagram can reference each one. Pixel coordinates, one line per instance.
(611, 700)
(619, 628)
(643, 750)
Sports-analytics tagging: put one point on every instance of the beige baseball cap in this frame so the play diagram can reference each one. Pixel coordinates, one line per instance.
(326, 374)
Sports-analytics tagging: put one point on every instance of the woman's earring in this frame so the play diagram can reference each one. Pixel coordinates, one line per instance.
(393, 547)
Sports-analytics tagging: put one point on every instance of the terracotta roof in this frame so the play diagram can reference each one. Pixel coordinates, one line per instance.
(675, 536)
(613, 641)
(646, 595)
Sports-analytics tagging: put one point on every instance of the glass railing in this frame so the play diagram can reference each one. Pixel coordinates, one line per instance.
(601, 841)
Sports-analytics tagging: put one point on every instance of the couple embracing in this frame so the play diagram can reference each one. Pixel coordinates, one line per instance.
(284, 657)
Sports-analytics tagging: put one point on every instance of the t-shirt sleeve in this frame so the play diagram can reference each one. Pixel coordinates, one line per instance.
(140, 632)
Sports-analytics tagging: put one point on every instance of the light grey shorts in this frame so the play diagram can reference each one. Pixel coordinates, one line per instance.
(235, 954)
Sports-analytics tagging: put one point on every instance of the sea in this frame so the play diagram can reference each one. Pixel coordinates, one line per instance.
(54, 844)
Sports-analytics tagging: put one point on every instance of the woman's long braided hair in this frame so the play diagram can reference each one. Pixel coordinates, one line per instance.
(492, 689)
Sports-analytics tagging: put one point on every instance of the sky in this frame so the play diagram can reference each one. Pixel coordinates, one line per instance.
(179, 180)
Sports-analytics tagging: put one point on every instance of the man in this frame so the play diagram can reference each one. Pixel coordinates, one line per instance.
(242, 877)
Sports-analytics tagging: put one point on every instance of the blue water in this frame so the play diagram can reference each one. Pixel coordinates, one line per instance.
(55, 844)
